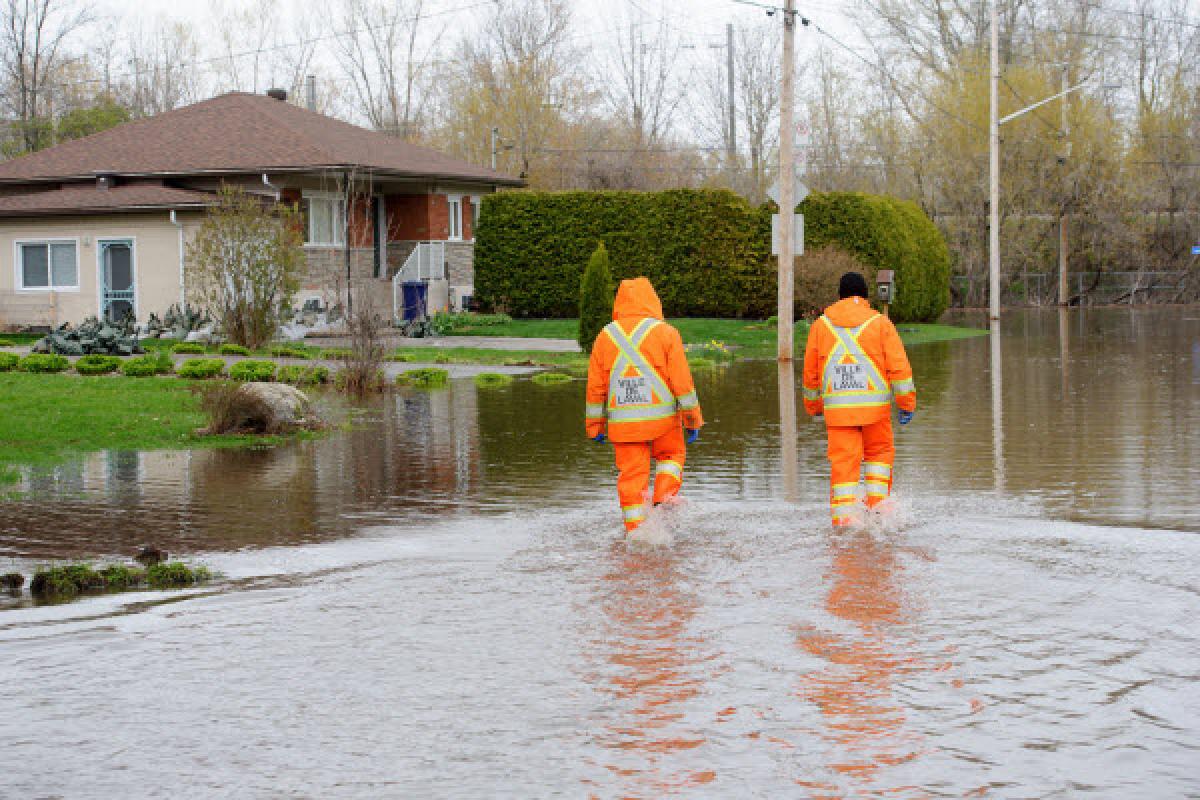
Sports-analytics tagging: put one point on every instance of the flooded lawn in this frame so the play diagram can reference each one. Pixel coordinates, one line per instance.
(437, 603)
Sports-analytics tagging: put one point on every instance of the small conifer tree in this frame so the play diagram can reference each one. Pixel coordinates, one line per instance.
(595, 298)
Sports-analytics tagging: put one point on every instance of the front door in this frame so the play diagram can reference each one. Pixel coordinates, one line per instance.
(116, 279)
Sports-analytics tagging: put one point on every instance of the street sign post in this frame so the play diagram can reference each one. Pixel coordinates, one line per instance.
(1196, 249)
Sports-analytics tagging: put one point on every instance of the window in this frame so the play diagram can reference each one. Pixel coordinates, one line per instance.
(455, 229)
(48, 265)
(325, 219)
(474, 216)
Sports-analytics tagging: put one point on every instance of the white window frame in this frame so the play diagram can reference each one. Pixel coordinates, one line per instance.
(339, 221)
(476, 208)
(19, 264)
(454, 221)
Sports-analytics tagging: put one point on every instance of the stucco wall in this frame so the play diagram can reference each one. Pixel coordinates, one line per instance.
(155, 258)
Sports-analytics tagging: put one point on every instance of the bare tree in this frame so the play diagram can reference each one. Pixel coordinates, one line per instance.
(34, 40)
(646, 90)
(386, 55)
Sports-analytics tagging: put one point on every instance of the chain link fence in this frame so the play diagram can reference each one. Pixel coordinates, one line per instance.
(1085, 288)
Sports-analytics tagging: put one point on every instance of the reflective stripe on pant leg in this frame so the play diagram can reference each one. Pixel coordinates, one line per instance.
(879, 480)
(634, 515)
(842, 499)
(669, 468)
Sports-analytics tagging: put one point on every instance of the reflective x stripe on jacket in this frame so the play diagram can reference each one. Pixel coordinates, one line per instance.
(847, 345)
(631, 356)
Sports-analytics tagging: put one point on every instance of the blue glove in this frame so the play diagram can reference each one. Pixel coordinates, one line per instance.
(691, 435)
(905, 416)
(600, 438)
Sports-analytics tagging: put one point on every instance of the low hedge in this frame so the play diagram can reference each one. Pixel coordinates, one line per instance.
(250, 370)
(8, 361)
(286, 351)
(97, 365)
(233, 350)
(303, 374)
(187, 348)
(43, 362)
(145, 366)
(707, 251)
(425, 378)
(200, 368)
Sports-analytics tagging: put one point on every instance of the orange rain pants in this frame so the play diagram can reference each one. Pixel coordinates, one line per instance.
(633, 460)
(866, 448)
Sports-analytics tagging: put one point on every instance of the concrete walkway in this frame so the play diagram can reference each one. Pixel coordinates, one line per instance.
(482, 342)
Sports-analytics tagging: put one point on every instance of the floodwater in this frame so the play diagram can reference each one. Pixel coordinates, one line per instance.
(437, 603)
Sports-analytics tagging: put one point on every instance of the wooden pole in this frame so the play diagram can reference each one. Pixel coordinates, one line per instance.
(787, 183)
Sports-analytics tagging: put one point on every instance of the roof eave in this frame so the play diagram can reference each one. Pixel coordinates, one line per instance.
(68, 212)
(498, 180)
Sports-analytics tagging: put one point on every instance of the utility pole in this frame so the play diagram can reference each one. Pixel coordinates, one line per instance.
(310, 90)
(495, 140)
(1064, 297)
(994, 172)
(732, 100)
(787, 185)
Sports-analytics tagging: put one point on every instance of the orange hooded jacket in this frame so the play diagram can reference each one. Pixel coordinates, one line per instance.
(880, 341)
(662, 348)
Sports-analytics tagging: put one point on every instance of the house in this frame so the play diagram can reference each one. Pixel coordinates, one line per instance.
(100, 225)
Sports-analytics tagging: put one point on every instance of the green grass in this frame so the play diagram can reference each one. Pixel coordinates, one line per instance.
(750, 338)
(49, 417)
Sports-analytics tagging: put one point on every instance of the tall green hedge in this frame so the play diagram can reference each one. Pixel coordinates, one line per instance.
(707, 251)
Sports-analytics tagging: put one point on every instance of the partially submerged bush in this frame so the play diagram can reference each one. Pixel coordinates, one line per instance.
(201, 368)
(43, 362)
(175, 574)
(187, 348)
(122, 576)
(492, 380)
(97, 365)
(426, 378)
(66, 581)
(252, 370)
(233, 350)
(549, 378)
(144, 366)
(345, 380)
(303, 374)
(8, 361)
(12, 581)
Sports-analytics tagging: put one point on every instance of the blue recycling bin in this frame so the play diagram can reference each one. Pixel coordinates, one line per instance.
(414, 294)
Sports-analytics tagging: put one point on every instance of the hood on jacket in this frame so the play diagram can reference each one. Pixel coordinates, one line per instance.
(636, 299)
(850, 312)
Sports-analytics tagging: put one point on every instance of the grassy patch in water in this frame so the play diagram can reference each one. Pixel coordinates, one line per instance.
(49, 417)
(68, 580)
(492, 380)
(427, 378)
(551, 378)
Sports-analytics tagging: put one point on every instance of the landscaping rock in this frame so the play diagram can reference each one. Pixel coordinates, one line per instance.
(260, 408)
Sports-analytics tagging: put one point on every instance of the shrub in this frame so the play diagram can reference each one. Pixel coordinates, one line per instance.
(303, 374)
(187, 348)
(492, 380)
(7, 343)
(200, 368)
(817, 274)
(549, 378)
(701, 362)
(8, 361)
(252, 370)
(230, 349)
(145, 366)
(345, 380)
(289, 351)
(43, 362)
(427, 378)
(595, 298)
(337, 353)
(97, 365)
(402, 357)
(65, 581)
(707, 251)
(120, 576)
(442, 358)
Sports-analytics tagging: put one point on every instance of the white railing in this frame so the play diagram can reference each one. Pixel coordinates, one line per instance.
(427, 262)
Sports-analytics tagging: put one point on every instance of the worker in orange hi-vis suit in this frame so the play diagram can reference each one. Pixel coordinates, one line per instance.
(854, 364)
(641, 390)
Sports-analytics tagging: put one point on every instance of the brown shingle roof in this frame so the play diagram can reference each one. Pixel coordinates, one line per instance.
(239, 133)
(77, 199)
